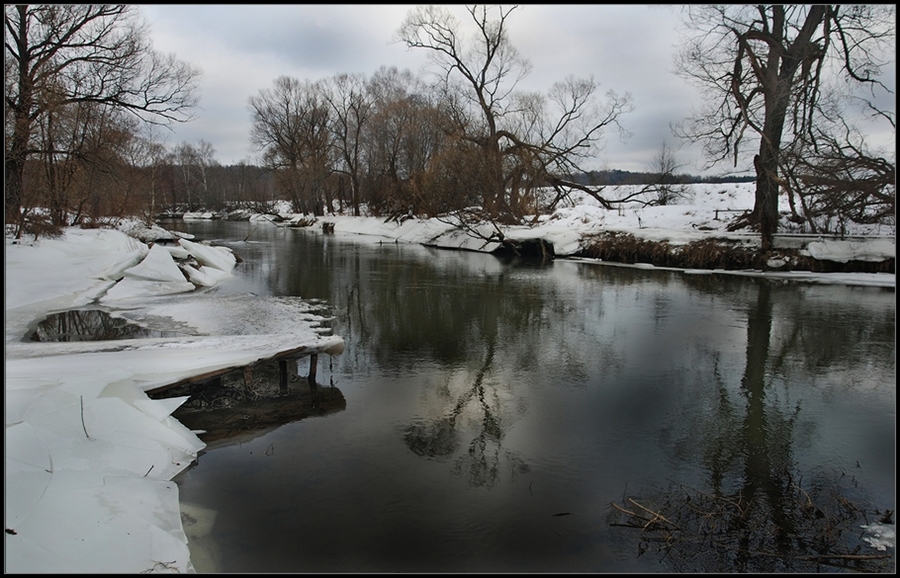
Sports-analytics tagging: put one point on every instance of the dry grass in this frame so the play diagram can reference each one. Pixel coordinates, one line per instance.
(814, 529)
(703, 254)
(714, 253)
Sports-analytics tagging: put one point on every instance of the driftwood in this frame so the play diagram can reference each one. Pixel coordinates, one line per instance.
(699, 531)
(656, 515)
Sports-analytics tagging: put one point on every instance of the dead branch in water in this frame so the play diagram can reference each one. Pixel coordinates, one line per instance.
(810, 528)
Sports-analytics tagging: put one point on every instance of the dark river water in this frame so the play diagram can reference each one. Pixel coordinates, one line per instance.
(495, 410)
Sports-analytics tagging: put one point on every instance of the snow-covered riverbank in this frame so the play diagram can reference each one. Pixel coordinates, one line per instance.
(89, 457)
(702, 211)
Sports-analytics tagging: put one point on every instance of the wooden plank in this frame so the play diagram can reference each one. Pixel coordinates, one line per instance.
(284, 355)
(313, 362)
(282, 374)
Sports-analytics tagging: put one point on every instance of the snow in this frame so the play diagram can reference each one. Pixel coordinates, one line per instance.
(216, 257)
(843, 250)
(703, 211)
(880, 536)
(157, 274)
(90, 457)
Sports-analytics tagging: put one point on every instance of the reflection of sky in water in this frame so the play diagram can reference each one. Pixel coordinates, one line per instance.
(483, 398)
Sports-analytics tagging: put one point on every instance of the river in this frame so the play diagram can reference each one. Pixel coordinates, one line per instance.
(495, 410)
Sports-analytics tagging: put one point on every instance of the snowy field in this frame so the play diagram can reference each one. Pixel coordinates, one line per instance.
(90, 458)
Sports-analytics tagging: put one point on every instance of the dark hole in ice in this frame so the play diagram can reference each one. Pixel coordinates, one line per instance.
(91, 325)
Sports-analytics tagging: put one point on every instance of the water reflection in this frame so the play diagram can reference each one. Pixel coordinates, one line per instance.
(485, 397)
(249, 402)
(768, 511)
(91, 325)
(764, 446)
(480, 403)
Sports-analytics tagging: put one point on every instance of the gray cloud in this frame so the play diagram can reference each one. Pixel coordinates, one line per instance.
(243, 48)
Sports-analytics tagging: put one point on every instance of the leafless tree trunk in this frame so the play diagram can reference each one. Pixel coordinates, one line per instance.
(146, 158)
(186, 162)
(206, 163)
(764, 69)
(60, 55)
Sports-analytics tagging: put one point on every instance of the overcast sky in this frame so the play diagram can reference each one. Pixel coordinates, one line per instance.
(241, 49)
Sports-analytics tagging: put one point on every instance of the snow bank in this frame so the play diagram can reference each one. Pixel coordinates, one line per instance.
(146, 233)
(700, 211)
(198, 216)
(89, 457)
(847, 250)
(205, 276)
(88, 467)
(64, 273)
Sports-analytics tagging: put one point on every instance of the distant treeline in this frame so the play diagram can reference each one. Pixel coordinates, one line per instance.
(617, 177)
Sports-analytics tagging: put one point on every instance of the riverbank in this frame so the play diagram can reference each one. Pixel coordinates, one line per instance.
(790, 253)
(690, 234)
(89, 457)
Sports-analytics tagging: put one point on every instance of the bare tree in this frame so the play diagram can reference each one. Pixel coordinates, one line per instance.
(515, 146)
(59, 55)
(83, 158)
(352, 107)
(404, 142)
(571, 129)
(276, 131)
(291, 125)
(664, 166)
(206, 163)
(839, 181)
(195, 166)
(147, 158)
(105, 188)
(765, 70)
(186, 160)
(251, 186)
(63, 134)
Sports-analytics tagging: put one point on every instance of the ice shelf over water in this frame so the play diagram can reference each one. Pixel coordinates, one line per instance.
(90, 457)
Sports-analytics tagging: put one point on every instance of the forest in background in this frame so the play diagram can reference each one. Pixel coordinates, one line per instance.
(86, 95)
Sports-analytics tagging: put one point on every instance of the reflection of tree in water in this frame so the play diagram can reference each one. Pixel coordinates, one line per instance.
(807, 336)
(90, 325)
(758, 514)
(439, 438)
(434, 438)
(764, 443)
